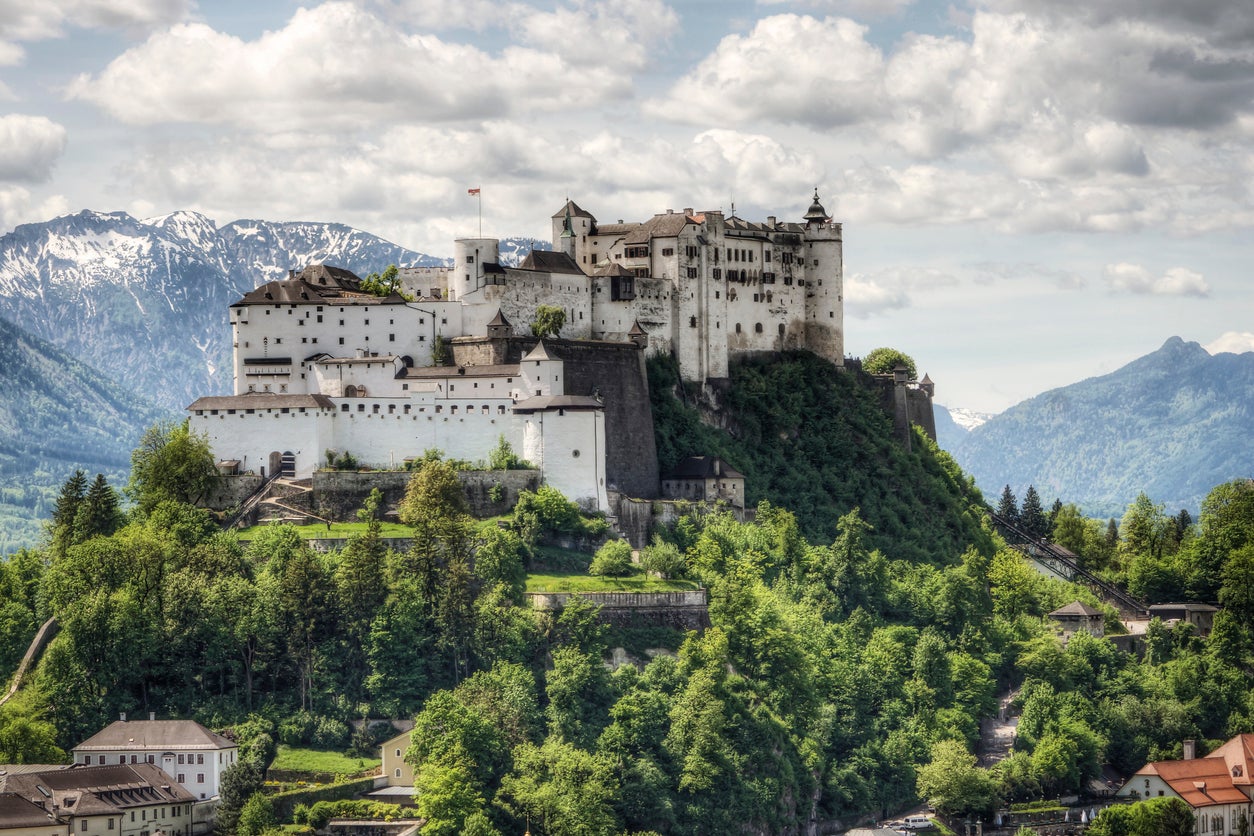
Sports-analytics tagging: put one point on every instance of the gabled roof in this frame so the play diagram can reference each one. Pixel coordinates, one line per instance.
(575, 211)
(1077, 608)
(613, 268)
(636, 330)
(101, 790)
(1214, 779)
(16, 811)
(159, 734)
(703, 467)
(540, 352)
(499, 321)
(317, 284)
(665, 225)
(250, 400)
(549, 261)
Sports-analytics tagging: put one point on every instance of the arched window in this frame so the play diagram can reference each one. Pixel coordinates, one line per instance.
(757, 328)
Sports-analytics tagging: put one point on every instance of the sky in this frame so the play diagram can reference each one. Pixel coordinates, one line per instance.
(1033, 192)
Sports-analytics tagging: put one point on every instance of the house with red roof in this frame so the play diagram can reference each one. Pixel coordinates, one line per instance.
(1218, 787)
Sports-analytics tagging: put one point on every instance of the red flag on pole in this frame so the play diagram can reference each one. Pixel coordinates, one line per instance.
(472, 191)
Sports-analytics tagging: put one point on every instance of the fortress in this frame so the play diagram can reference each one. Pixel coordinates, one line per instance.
(322, 366)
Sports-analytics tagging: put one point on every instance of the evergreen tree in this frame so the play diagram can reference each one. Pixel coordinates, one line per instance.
(1008, 508)
(98, 514)
(1032, 516)
(63, 516)
(1053, 513)
(1112, 534)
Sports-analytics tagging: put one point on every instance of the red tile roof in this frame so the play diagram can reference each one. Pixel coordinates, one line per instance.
(1215, 779)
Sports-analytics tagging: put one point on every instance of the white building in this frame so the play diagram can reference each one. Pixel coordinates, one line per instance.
(322, 366)
(1218, 788)
(184, 749)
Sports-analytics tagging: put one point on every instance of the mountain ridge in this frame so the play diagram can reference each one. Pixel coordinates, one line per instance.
(1172, 423)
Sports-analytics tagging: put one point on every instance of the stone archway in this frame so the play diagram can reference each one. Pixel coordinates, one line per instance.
(276, 463)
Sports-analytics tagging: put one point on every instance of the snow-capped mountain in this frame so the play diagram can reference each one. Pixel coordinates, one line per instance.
(512, 251)
(969, 419)
(145, 301)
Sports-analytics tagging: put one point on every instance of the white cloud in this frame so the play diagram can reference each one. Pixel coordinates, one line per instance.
(1134, 278)
(335, 67)
(29, 147)
(789, 68)
(615, 33)
(852, 8)
(1235, 342)
(865, 298)
(24, 20)
(17, 207)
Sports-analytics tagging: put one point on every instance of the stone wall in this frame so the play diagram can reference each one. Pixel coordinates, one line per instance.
(231, 491)
(341, 493)
(688, 610)
(615, 372)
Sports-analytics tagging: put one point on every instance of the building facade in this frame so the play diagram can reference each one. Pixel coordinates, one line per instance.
(188, 752)
(117, 800)
(323, 368)
(1218, 788)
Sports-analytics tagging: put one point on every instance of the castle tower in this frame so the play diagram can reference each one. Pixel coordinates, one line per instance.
(824, 277)
(541, 373)
(470, 259)
(567, 239)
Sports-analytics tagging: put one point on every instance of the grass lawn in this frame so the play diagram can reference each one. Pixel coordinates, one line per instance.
(339, 530)
(315, 760)
(583, 582)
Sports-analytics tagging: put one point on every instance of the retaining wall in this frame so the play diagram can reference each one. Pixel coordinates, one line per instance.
(686, 610)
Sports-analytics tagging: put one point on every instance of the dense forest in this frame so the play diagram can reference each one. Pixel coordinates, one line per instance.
(861, 626)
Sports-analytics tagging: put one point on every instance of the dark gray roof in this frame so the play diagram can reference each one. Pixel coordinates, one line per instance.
(575, 211)
(101, 790)
(317, 284)
(613, 268)
(1077, 608)
(155, 734)
(1182, 607)
(16, 811)
(258, 400)
(703, 467)
(544, 403)
(549, 261)
(499, 321)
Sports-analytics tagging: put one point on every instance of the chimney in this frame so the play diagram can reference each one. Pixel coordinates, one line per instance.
(152, 715)
(770, 221)
(122, 716)
(1190, 750)
(687, 210)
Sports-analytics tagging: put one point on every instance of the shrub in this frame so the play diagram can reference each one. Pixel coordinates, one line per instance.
(613, 559)
(664, 559)
(329, 733)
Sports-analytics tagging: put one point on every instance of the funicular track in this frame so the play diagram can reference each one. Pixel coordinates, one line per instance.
(1062, 562)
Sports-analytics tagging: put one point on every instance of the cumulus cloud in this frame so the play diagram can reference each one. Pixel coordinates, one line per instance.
(22, 20)
(864, 297)
(18, 206)
(789, 68)
(1134, 278)
(1234, 342)
(615, 33)
(29, 148)
(853, 8)
(336, 67)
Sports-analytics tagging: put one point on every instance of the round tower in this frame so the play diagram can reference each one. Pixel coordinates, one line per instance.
(469, 257)
(823, 252)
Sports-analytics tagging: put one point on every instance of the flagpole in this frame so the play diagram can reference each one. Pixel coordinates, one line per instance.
(479, 194)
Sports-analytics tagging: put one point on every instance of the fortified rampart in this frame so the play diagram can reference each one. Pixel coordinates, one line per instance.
(614, 372)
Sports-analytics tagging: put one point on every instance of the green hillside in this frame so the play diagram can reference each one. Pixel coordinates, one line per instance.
(815, 440)
(58, 415)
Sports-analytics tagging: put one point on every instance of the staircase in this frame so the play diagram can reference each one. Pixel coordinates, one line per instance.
(1060, 561)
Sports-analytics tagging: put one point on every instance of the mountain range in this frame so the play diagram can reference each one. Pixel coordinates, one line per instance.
(1173, 424)
(109, 323)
